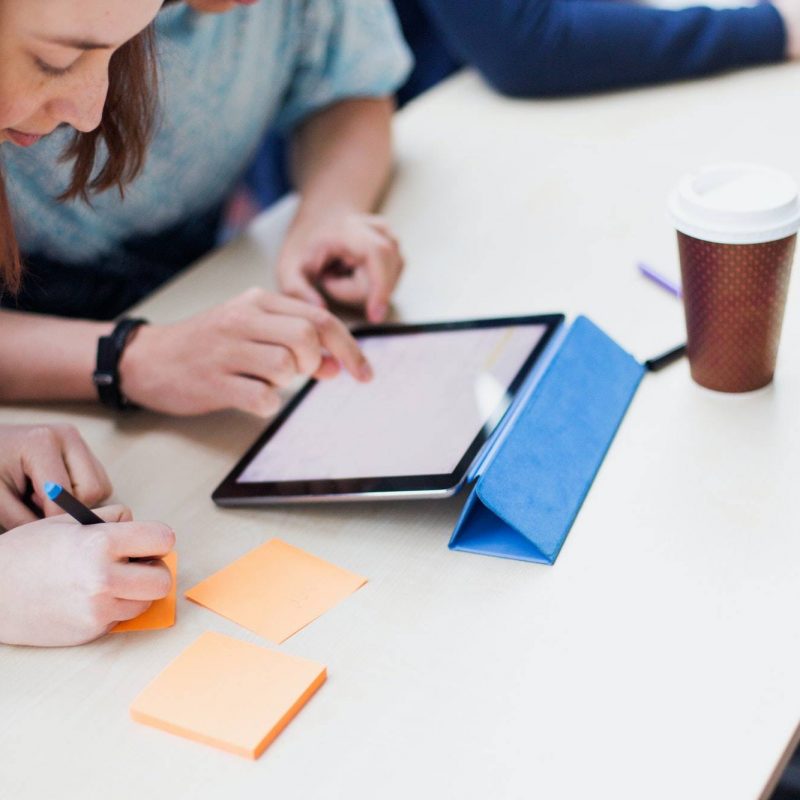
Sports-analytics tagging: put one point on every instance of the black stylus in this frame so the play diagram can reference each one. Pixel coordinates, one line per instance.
(77, 510)
(659, 362)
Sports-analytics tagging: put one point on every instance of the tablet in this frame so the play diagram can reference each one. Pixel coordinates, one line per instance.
(438, 394)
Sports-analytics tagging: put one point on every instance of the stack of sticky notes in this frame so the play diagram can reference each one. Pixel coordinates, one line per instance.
(236, 695)
(228, 693)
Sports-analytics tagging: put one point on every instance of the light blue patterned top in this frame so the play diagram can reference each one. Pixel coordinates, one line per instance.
(225, 79)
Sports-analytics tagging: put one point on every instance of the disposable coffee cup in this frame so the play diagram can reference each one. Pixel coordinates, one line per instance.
(737, 226)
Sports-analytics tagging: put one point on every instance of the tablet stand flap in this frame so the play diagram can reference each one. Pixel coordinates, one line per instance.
(529, 495)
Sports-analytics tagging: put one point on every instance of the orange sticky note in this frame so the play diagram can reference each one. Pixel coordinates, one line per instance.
(275, 590)
(161, 613)
(230, 694)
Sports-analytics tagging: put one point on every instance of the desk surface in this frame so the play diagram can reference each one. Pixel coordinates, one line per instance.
(660, 656)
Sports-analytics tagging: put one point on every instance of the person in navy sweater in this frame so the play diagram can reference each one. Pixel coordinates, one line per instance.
(546, 48)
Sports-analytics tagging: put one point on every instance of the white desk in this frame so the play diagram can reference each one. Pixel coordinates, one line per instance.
(660, 656)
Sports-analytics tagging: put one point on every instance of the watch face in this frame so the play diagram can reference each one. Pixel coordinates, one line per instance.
(102, 379)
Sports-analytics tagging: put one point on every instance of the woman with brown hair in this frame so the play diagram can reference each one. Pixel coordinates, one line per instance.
(88, 65)
(321, 70)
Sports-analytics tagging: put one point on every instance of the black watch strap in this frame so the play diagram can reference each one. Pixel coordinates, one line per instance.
(109, 353)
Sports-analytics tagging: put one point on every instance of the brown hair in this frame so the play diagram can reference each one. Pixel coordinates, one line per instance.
(125, 129)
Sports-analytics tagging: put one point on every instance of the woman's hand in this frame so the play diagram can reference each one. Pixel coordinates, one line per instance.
(237, 355)
(352, 259)
(31, 455)
(62, 583)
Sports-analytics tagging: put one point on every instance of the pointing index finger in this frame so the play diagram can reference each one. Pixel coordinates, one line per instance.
(341, 344)
(332, 332)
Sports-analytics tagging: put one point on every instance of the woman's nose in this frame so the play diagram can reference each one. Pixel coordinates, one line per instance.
(81, 106)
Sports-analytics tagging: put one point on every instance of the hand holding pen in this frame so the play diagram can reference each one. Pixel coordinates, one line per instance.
(81, 513)
(65, 584)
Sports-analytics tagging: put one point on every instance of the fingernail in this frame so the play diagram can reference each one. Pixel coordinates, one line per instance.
(365, 372)
(379, 312)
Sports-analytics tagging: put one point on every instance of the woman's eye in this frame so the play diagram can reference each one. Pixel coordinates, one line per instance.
(49, 69)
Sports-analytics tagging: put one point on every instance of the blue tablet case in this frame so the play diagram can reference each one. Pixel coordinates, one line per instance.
(530, 491)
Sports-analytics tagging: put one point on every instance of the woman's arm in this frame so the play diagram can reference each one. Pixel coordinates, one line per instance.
(234, 355)
(341, 157)
(47, 358)
(341, 160)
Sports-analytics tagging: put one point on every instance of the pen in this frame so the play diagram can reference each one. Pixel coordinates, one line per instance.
(77, 510)
(660, 280)
(664, 360)
(66, 502)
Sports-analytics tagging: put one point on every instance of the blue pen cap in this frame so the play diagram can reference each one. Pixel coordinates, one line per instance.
(52, 490)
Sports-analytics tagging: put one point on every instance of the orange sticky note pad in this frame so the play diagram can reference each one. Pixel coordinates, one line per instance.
(230, 694)
(161, 613)
(275, 590)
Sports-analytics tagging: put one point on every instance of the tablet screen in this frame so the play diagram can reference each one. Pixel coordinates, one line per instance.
(431, 395)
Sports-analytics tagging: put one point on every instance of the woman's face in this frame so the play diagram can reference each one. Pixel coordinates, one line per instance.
(54, 56)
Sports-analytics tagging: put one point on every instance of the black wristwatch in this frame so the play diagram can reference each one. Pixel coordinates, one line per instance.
(109, 352)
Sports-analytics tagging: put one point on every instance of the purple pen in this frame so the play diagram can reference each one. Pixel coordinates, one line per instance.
(660, 280)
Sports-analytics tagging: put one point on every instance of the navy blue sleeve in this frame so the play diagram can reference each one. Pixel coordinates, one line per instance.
(530, 48)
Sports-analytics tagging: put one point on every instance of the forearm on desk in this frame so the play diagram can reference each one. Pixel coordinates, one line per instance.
(341, 157)
(47, 358)
(531, 48)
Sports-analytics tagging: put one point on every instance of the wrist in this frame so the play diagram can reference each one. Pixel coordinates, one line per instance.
(312, 215)
(134, 365)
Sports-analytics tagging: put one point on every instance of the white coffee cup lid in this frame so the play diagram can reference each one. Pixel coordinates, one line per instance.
(736, 204)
